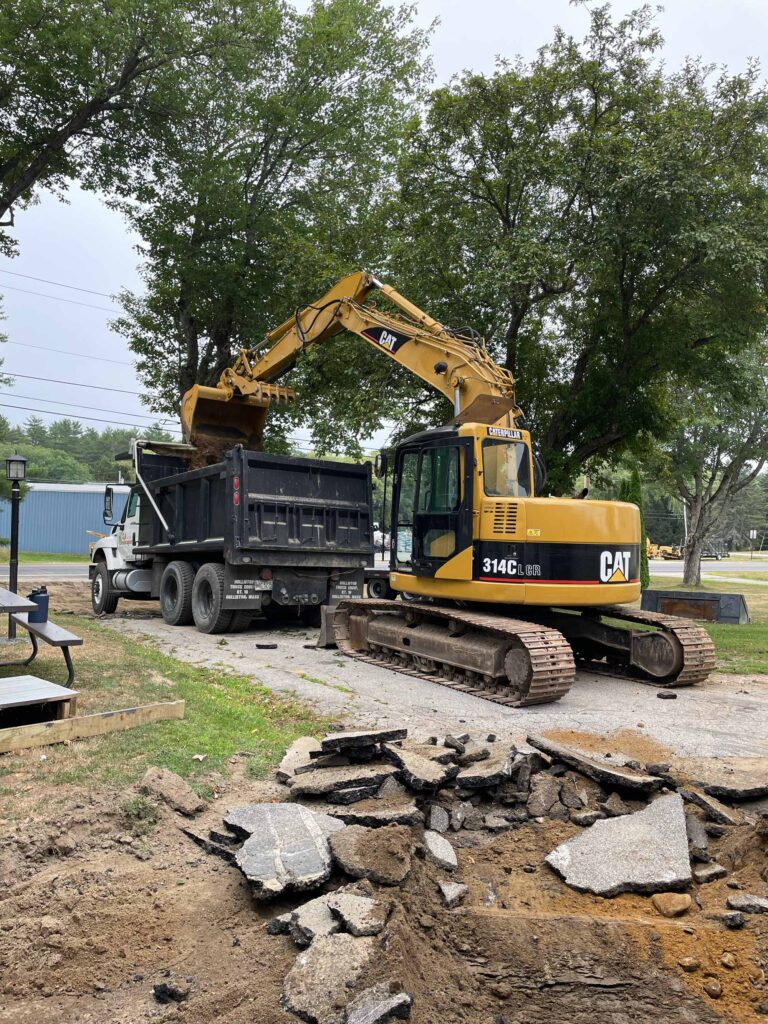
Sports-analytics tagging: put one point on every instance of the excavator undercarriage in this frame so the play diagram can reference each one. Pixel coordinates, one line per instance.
(518, 662)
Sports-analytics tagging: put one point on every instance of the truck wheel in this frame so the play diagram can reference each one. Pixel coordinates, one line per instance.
(208, 598)
(103, 597)
(380, 589)
(241, 620)
(176, 593)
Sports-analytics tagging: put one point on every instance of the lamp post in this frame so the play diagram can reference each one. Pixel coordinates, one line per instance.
(15, 471)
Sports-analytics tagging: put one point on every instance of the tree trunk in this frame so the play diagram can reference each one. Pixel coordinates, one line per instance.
(692, 561)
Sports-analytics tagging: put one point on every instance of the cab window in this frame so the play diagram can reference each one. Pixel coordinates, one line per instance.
(439, 480)
(406, 507)
(506, 469)
(131, 506)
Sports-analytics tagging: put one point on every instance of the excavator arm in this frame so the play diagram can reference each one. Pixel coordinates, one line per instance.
(456, 363)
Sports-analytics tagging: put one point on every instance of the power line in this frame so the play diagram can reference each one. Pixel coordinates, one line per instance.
(58, 284)
(63, 352)
(94, 419)
(93, 408)
(58, 298)
(74, 383)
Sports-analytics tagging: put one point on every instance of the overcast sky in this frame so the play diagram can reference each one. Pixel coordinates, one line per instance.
(83, 244)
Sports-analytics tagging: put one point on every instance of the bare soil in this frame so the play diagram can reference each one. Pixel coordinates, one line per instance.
(93, 914)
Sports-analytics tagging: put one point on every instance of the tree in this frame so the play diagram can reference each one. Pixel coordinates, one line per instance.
(603, 223)
(261, 190)
(718, 452)
(633, 492)
(84, 85)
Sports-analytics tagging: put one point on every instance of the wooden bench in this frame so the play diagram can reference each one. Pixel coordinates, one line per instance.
(50, 634)
(23, 691)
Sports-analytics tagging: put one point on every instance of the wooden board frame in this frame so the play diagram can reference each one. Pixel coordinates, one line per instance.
(41, 734)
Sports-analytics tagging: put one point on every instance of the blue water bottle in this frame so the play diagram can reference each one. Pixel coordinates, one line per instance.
(40, 598)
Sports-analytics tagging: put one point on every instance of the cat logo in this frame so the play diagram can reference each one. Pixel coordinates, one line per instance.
(614, 566)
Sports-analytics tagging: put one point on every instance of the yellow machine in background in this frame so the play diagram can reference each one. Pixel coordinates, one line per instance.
(513, 584)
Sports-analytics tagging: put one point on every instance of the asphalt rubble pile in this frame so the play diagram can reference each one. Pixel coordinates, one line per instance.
(361, 806)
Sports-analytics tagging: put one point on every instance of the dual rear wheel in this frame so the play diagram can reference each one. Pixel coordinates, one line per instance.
(187, 596)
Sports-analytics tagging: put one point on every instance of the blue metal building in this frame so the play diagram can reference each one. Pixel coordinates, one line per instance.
(55, 517)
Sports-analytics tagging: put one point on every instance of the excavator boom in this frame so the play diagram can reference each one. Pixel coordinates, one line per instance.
(456, 363)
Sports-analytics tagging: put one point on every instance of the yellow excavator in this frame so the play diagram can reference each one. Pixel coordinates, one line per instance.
(505, 589)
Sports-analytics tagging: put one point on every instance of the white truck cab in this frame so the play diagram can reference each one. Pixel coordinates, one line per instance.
(115, 568)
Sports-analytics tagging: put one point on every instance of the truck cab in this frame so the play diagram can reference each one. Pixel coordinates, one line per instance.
(114, 568)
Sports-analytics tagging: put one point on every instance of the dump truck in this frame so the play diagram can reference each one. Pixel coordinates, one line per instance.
(254, 533)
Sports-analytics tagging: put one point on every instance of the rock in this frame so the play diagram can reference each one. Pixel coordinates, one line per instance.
(585, 817)
(612, 776)
(689, 964)
(658, 768)
(287, 846)
(495, 823)
(381, 854)
(311, 920)
(64, 845)
(666, 695)
(377, 1005)
(280, 925)
(459, 815)
(438, 819)
(704, 873)
(697, 833)
(671, 904)
(642, 852)
(733, 919)
(296, 756)
(569, 796)
(545, 792)
(453, 893)
(335, 742)
(391, 788)
(710, 805)
(454, 744)
(490, 772)
(359, 915)
(440, 851)
(165, 993)
(748, 904)
(50, 925)
(353, 776)
(614, 806)
(317, 987)
(420, 772)
(474, 819)
(729, 961)
(713, 988)
(172, 789)
(474, 752)
(376, 812)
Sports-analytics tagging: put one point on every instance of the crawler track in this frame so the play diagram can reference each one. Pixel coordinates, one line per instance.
(542, 655)
(697, 647)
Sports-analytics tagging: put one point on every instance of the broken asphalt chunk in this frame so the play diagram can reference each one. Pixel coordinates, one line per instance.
(311, 920)
(748, 904)
(381, 854)
(338, 741)
(287, 846)
(453, 893)
(172, 789)
(704, 873)
(440, 851)
(491, 772)
(420, 772)
(711, 806)
(354, 776)
(377, 1005)
(317, 987)
(643, 852)
(296, 756)
(612, 776)
(375, 812)
(359, 915)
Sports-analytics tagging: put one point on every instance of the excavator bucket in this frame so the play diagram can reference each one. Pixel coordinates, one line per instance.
(216, 413)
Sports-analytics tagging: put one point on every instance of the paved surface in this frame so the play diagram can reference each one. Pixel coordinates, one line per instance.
(47, 571)
(733, 566)
(727, 715)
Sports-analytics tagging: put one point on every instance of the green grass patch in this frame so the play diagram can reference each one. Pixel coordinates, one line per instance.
(747, 574)
(141, 814)
(225, 714)
(27, 557)
(740, 649)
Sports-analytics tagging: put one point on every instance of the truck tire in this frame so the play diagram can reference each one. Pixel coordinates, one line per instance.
(208, 599)
(379, 588)
(103, 598)
(241, 620)
(176, 593)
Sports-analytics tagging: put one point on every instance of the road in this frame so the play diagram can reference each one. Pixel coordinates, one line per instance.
(734, 567)
(53, 571)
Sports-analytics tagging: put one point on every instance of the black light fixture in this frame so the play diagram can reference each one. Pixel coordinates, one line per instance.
(15, 471)
(16, 467)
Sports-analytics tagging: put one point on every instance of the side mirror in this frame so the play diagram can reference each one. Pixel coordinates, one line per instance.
(108, 499)
(381, 464)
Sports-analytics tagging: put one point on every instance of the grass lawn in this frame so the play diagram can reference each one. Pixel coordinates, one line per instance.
(225, 714)
(746, 574)
(740, 649)
(41, 556)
